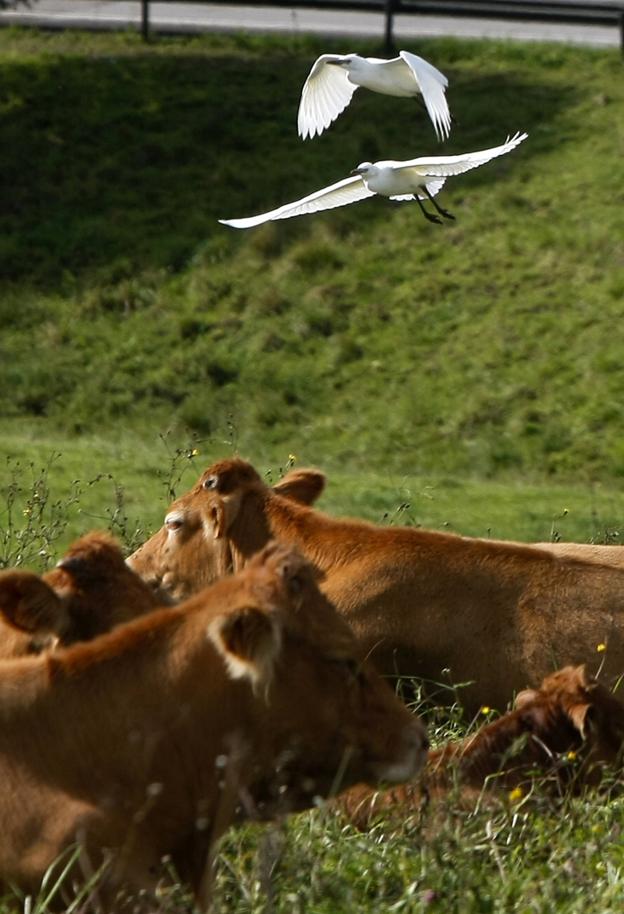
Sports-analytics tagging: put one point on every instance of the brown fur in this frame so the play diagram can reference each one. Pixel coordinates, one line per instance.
(587, 552)
(497, 614)
(564, 733)
(142, 742)
(90, 591)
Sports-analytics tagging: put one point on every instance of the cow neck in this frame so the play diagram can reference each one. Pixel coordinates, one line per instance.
(225, 558)
(326, 541)
(250, 530)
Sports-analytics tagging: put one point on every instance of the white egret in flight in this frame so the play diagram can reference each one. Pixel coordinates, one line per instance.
(415, 179)
(334, 78)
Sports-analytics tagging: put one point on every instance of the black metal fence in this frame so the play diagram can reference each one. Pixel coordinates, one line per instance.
(580, 12)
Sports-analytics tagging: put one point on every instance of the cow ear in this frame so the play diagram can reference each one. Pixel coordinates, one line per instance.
(581, 715)
(249, 641)
(221, 514)
(218, 521)
(302, 486)
(525, 697)
(293, 569)
(30, 605)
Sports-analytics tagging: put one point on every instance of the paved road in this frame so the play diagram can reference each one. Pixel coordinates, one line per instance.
(196, 17)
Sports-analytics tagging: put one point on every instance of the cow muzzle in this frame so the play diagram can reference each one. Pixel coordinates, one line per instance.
(410, 757)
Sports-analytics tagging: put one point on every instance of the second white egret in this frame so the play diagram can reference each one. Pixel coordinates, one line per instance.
(334, 78)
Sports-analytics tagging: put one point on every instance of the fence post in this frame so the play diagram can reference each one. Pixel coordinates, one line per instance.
(145, 29)
(389, 6)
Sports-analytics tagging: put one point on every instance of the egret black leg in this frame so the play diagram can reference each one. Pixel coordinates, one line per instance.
(427, 215)
(443, 212)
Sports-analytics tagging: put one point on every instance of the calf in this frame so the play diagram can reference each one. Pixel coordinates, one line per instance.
(141, 743)
(498, 615)
(567, 732)
(90, 591)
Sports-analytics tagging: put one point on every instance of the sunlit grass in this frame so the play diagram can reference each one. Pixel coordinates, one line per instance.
(125, 480)
(364, 336)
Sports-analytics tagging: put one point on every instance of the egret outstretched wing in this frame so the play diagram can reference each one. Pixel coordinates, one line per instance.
(432, 84)
(326, 93)
(349, 190)
(446, 166)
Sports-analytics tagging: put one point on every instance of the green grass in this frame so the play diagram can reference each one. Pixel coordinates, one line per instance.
(366, 336)
(125, 482)
(465, 377)
(539, 858)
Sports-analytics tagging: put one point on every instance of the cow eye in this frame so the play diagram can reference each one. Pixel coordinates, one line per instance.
(173, 522)
(211, 482)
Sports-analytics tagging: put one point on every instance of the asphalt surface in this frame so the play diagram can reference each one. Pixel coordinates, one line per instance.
(207, 17)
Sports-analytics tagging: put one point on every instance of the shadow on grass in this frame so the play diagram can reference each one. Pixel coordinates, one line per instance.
(111, 163)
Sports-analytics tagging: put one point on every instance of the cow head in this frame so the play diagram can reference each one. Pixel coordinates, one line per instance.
(90, 591)
(101, 591)
(573, 710)
(191, 550)
(334, 718)
(36, 618)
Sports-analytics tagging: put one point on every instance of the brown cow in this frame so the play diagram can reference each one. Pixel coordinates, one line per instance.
(498, 614)
(90, 591)
(140, 743)
(565, 733)
(187, 528)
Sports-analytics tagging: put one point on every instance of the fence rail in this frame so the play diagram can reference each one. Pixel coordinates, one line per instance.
(577, 12)
(583, 12)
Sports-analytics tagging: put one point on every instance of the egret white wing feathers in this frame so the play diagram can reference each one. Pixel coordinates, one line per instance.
(447, 166)
(433, 187)
(432, 84)
(326, 93)
(349, 190)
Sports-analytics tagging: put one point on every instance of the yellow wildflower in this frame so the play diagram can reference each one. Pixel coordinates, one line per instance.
(292, 457)
(601, 647)
(571, 755)
(516, 794)
(194, 452)
(486, 709)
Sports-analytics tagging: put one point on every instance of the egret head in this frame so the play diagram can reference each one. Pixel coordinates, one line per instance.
(344, 61)
(364, 169)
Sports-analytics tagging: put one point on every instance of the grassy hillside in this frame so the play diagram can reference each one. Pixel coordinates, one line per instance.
(466, 377)
(363, 338)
